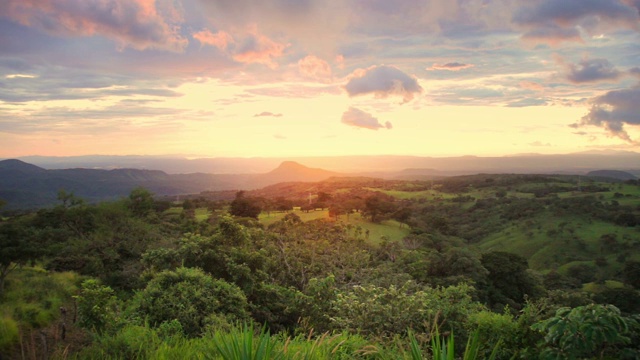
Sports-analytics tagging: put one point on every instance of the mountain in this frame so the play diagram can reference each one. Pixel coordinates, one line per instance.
(25, 185)
(611, 174)
(293, 171)
(577, 163)
(17, 165)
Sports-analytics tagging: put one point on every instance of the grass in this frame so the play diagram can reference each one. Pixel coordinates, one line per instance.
(201, 214)
(269, 218)
(389, 229)
(32, 300)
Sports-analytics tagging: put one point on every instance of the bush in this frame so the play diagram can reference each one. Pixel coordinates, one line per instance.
(96, 306)
(9, 332)
(191, 297)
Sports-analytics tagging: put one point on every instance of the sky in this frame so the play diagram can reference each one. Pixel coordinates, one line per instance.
(274, 78)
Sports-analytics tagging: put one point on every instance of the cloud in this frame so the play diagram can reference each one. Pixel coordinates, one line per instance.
(613, 110)
(318, 24)
(527, 102)
(383, 81)
(315, 68)
(59, 83)
(104, 120)
(258, 48)
(221, 39)
(138, 24)
(592, 70)
(552, 34)
(554, 21)
(530, 85)
(358, 118)
(451, 66)
(279, 136)
(267, 113)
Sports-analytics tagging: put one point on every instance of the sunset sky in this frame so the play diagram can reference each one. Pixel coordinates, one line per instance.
(219, 78)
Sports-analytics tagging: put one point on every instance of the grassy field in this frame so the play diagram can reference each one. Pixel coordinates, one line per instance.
(267, 219)
(390, 229)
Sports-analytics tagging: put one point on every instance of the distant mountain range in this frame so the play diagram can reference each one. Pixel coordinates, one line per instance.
(96, 178)
(23, 185)
(578, 163)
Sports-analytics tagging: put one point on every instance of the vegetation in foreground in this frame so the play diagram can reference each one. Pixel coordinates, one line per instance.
(250, 278)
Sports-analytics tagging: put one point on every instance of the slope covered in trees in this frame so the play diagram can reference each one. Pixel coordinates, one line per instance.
(515, 264)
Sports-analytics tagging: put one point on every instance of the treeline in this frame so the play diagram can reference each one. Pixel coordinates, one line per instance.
(152, 282)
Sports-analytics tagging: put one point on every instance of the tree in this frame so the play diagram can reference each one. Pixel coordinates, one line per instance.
(508, 280)
(588, 331)
(96, 306)
(631, 273)
(378, 206)
(244, 207)
(141, 201)
(16, 248)
(193, 298)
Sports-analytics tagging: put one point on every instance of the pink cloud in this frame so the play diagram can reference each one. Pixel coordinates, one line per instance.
(452, 66)
(315, 68)
(257, 48)
(131, 23)
(221, 39)
(361, 119)
(530, 85)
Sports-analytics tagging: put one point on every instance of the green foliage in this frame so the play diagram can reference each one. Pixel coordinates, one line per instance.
(378, 311)
(243, 206)
(141, 201)
(242, 344)
(491, 329)
(130, 342)
(193, 298)
(631, 273)
(18, 246)
(509, 282)
(587, 331)
(9, 332)
(97, 306)
(443, 347)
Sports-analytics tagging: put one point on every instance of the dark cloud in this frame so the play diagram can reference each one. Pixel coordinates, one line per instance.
(139, 24)
(558, 20)
(358, 118)
(592, 70)
(613, 110)
(552, 34)
(383, 81)
(451, 66)
(267, 113)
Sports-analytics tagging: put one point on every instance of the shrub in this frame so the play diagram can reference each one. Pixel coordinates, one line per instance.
(191, 297)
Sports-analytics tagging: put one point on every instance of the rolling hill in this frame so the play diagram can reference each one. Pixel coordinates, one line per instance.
(23, 185)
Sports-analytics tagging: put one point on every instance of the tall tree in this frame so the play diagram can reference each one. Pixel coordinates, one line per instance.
(243, 206)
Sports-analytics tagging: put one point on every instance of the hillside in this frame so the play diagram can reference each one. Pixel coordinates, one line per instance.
(24, 185)
(489, 254)
(611, 174)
